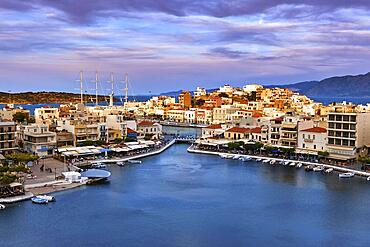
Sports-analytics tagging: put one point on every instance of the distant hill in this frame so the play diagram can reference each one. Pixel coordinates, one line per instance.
(45, 97)
(351, 86)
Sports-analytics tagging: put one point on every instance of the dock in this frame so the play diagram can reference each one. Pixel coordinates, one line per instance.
(14, 199)
(335, 168)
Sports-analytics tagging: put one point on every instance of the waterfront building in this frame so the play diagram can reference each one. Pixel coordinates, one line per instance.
(39, 140)
(190, 116)
(312, 140)
(7, 137)
(289, 131)
(149, 129)
(64, 138)
(348, 131)
(237, 133)
(214, 130)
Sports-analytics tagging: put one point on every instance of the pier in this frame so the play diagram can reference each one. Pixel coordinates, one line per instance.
(335, 168)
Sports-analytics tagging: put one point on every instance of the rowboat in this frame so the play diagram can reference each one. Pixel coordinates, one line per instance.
(46, 197)
(346, 175)
(38, 200)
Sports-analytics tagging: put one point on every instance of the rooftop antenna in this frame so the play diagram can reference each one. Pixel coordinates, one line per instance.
(81, 86)
(126, 88)
(112, 93)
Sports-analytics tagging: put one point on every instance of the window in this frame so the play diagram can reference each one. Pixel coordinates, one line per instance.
(337, 142)
(345, 118)
(303, 136)
(313, 137)
(314, 146)
(304, 145)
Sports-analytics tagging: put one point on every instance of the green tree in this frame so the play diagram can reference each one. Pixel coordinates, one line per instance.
(20, 117)
(21, 157)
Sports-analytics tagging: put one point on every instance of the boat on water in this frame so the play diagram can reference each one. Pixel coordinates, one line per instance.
(292, 164)
(299, 165)
(229, 156)
(120, 163)
(272, 162)
(308, 168)
(98, 166)
(266, 161)
(134, 161)
(244, 159)
(223, 156)
(346, 175)
(318, 169)
(236, 157)
(2, 207)
(259, 160)
(38, 200)
(368, 178)
(286, 163)
(329, 170)
(46, 197)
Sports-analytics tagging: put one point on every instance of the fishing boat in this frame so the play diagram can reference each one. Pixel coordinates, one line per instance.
(2, 207)
(134, 161)
(38, 200)
(318, 169)
(329, 170)
(120, 163)
(46, 197)
(346, 175)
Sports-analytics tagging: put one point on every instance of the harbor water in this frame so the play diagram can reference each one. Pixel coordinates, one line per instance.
(182, 199)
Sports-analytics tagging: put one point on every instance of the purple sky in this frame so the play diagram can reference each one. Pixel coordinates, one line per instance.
(168, 45)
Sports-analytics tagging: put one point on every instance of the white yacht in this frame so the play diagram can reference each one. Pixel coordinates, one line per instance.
(346, 175)
(318, 169)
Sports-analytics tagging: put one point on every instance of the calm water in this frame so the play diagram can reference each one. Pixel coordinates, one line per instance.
(181, 199)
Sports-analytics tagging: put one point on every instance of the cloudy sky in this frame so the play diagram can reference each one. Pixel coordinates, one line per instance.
(167, 45)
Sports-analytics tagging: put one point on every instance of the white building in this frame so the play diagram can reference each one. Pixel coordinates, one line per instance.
(46, 115)
(200, 92)
(312, 140)
(252, 88)
(38, 140)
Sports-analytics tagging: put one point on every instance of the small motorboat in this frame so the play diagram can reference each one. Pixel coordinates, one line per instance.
(120, 163)
(259, 160)
(272, 162)
(346, 175)
(292, 164)
(244, 159)
(266, 161)
(229, 156)
(134, 161)
(236, 157)
(299, 165)
(38, 200)
(2, 207)
(318, 169)
(223, 156)
(98, 166)
(286, 163)
(368, 178)
(46, 197)
(329, 170)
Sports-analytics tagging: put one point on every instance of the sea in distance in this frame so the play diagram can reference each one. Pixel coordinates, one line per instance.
(325, 101)
(178, 199)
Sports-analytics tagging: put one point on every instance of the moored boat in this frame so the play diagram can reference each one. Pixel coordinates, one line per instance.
(286, 163)
(46, 197)
(134, 161)
(98, 166)
(236, 157)
(2, 207)
(38, 200)
(318, 168)
(368, 178)
(292, 164)
(266, 161)
(346, 175)
(299, 165)
(308, 168)
(329, 170)
(120, 163)
(245, 158)
(259, 160)
(272, 162)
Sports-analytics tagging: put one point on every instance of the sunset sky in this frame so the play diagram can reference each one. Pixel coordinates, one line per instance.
(168, 45)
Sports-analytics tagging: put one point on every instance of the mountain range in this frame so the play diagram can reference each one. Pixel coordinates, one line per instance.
(349, 86)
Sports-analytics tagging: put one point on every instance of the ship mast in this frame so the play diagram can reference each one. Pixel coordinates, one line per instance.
(96, 88)
(81, 86)
(112, 92)
(126, 88)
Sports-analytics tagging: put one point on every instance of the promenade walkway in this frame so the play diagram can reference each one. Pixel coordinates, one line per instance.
(191, 149)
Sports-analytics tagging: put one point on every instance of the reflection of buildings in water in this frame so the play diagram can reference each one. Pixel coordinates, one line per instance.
(183, 131)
